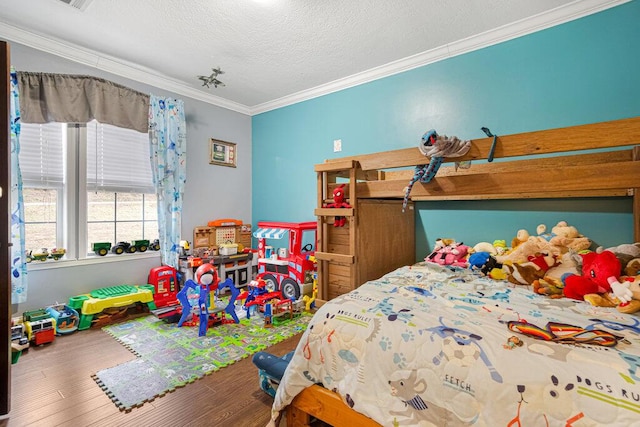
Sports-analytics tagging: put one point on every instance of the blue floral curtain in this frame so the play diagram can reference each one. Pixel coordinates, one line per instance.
(18, 258)
(167, 133)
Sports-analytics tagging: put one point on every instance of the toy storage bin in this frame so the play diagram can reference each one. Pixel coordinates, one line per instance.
(228, 249)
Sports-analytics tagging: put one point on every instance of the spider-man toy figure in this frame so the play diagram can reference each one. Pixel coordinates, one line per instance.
(338, 202)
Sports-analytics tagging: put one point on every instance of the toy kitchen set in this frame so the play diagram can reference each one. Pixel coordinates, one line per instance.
(225, 243)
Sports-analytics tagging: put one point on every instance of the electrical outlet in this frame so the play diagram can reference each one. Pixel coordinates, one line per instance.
(337, 145)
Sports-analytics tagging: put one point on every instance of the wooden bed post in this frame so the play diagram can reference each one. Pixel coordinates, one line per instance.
(325, 405)
(321, 235)
(353, 220)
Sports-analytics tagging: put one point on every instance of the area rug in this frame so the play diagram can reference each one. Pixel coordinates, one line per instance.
(169, 357)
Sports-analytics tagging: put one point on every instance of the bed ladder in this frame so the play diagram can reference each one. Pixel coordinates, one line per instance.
(335, 259)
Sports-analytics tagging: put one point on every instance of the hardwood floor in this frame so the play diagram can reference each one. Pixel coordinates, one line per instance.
(52, 386)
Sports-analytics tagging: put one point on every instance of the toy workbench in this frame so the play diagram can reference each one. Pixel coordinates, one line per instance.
(239, 267)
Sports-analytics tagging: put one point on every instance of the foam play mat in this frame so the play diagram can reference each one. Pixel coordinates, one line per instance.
(169, 357)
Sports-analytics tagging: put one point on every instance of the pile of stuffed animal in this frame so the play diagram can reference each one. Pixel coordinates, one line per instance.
(558, 263)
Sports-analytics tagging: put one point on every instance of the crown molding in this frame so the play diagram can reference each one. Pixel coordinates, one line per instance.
(560, 15)
(112, 65)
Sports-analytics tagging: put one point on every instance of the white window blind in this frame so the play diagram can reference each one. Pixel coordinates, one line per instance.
(118, 159)
(42, 154)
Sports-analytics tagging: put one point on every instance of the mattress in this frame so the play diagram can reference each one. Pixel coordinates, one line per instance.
(445, 346)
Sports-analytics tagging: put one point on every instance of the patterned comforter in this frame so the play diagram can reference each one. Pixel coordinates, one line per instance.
(444, 346)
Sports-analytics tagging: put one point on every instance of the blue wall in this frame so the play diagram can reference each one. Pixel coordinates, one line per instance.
(580, 72)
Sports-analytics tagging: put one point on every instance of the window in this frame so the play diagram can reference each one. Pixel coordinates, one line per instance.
(85, 184)
(308, 241)
(42, 163)
(121, 200)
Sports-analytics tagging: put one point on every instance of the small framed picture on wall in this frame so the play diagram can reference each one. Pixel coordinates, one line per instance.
(222, 153)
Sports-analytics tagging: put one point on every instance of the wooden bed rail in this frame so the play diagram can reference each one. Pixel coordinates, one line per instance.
(615, 133)
(578, 180)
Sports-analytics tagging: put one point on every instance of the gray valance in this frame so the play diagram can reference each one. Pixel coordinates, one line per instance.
(64, 98)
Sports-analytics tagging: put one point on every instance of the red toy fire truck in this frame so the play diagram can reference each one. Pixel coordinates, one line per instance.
(288, 269)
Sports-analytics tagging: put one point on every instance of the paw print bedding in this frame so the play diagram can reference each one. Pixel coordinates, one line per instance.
(444, 346)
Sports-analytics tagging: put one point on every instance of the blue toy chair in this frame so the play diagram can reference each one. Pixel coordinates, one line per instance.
(271, 369)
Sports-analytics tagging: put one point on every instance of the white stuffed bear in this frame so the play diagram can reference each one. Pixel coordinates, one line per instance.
(567, 237)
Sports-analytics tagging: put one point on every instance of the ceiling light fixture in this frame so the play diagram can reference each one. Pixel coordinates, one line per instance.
(212, 79)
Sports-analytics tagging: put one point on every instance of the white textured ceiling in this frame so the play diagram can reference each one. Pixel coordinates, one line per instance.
(273, 52)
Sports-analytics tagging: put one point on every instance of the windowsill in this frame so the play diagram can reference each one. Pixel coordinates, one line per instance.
(64, 263)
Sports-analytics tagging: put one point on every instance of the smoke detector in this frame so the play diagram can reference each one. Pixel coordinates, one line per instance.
(78, 4)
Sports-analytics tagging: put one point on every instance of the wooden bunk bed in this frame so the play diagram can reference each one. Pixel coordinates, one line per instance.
(344, 254)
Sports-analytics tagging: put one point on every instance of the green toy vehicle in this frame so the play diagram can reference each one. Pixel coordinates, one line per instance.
(101, 248)
(57, 253)
(140, 245)
(45, 254)
(41, 256)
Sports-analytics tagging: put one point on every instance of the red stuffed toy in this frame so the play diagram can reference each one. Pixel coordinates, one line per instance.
(338, 202)
(600, 272)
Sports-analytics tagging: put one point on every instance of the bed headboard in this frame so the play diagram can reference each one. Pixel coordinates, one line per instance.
(517, 171)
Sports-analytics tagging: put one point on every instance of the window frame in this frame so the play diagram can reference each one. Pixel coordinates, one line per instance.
(72, 208)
